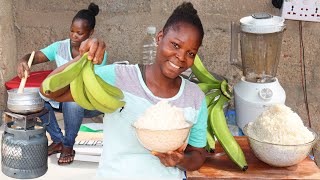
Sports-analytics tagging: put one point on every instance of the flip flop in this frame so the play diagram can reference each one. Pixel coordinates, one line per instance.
(65, 153)
(54, 148)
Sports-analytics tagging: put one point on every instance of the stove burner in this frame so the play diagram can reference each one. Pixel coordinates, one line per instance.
(24, 121)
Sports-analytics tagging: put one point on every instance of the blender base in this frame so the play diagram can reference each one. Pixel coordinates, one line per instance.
(251, 99)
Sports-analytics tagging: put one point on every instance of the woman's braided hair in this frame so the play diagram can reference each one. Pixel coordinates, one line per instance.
(88, 14)
(184, 13)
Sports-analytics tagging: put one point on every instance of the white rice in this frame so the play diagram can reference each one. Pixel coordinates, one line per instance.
(162, 116)
(280, 125)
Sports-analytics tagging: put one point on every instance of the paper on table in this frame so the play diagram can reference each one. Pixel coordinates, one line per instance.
(89, 147)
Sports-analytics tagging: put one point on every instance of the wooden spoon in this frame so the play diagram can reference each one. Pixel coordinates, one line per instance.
(24, 79)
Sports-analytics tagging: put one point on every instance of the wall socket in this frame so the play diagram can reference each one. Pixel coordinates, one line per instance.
(303, 10)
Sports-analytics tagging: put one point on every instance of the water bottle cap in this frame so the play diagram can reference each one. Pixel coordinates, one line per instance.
(151, 30)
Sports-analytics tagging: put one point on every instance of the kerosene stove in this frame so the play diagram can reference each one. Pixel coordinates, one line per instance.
(24, 145)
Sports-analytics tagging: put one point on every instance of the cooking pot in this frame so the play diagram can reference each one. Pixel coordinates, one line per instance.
(27, 102)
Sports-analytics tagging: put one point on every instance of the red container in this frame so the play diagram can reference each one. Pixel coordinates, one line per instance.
(34, 80)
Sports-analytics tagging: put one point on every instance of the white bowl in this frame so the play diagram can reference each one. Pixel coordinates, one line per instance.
(162, 140)
(279, 155)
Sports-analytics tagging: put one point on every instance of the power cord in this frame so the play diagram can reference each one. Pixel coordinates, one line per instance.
(303, 73)
(277, 3)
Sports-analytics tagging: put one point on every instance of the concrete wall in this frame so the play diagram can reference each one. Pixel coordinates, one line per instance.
(8, 48)
(122, 25)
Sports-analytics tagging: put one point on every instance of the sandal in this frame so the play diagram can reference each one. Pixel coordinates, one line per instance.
(54, 148)
(66, 156)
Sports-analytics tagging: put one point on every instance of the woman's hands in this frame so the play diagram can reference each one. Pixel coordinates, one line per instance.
(22, 66)
(186, 157)
(95, 48)
(171, 158)
(39, 57)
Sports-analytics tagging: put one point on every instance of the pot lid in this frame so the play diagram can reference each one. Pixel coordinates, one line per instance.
(261, 23)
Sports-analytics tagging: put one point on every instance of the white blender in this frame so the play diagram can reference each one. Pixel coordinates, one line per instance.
(260, 42)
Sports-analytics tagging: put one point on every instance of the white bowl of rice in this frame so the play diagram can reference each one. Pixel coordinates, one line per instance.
(162, 128)
(279, 138)
(162, 140)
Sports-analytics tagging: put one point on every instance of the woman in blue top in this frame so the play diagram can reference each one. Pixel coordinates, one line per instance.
(62, 52)
(123, 156)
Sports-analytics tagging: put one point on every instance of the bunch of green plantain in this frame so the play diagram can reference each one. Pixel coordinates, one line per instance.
(217, 94)
(87, 89)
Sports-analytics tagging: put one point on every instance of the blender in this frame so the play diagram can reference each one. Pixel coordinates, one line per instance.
(260, 45)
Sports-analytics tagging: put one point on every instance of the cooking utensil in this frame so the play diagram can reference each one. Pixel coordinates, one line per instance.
(24, 79)
(25, 103)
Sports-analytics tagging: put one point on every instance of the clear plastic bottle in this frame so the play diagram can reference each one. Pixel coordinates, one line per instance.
(149, 46)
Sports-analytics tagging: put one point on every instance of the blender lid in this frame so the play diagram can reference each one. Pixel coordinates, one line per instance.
(262, 23)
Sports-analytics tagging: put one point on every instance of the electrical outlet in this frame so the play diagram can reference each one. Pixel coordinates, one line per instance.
(303, 10)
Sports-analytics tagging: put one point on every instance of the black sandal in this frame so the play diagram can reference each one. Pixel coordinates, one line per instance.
(68, 153)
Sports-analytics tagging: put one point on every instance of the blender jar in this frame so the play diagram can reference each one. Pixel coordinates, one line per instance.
(260, 44)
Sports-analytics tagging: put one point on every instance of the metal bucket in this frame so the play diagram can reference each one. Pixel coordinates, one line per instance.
(27, 102)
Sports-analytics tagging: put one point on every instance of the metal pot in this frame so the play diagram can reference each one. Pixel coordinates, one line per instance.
(27, 102)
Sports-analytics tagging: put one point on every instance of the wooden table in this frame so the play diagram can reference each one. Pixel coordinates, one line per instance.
(219, 166)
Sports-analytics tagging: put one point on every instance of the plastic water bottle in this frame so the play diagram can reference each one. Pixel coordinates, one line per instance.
(149, 46)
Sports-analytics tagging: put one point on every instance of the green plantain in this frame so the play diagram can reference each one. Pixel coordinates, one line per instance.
(211, 143)
(96, 104)
(211, 97)
(217, 93)
(112, 90)
(205, 87)
(201, 73)
(95, 89)
(218, 123)
(225, 89)
(63, 78)
(78, 94)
